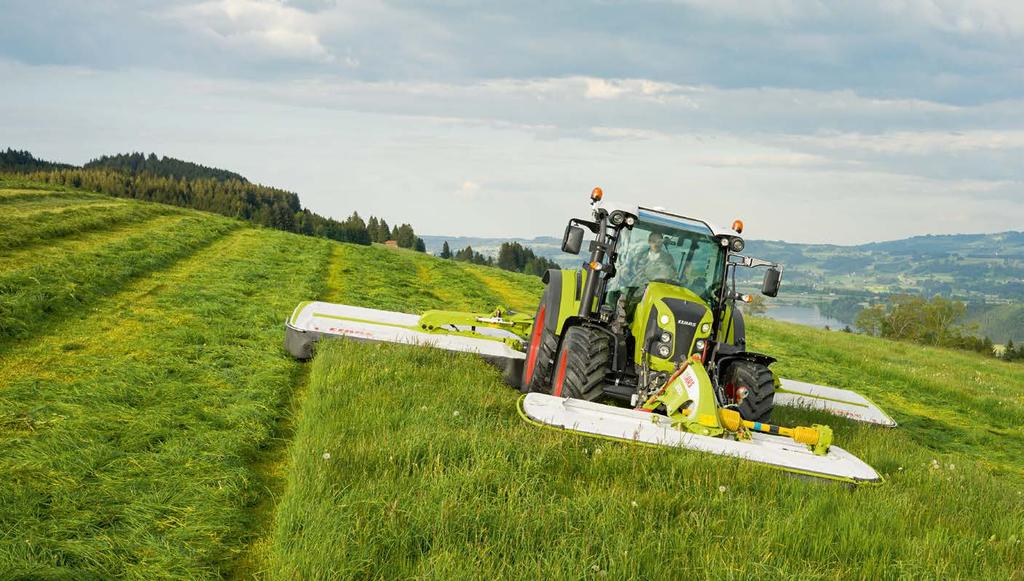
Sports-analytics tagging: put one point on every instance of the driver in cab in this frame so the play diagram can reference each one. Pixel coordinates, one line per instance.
(653, 264)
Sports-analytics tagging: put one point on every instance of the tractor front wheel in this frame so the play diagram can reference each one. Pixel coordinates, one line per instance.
(582, 363)
(757, 383)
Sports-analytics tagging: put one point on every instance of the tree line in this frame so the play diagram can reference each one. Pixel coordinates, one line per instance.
(165, 167)
(185, 184)
(14, 160)
(934, 321)
(512, 256)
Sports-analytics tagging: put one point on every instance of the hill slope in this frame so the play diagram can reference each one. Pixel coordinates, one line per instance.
(151, 426)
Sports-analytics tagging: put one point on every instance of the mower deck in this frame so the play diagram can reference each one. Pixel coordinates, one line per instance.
(629, 425)
(315, 319)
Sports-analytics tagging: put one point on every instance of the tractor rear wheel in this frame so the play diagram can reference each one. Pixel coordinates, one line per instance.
(540, 354)
(759, 383)
(582, 363)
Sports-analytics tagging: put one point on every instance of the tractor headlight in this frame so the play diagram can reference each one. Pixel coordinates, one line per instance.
(630, 221)
(699, 345)
(664, 351)
(617, 218)
(666, 338)
(705, 328)
(736, 245)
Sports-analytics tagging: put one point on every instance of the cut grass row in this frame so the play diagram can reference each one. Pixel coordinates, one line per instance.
(43, 283)
(409, 462)
(128, 435)
(26, 200)
(67, 220)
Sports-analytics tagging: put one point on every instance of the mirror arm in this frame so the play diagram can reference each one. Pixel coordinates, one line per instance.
(751, 262)
(589, 225)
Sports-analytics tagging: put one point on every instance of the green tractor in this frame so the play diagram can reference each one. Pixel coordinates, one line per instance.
(658, 290)
(650, 324)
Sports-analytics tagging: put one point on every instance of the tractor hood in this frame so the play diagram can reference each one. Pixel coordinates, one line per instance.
(674, 313)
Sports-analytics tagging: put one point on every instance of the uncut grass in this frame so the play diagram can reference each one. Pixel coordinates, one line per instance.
(431, 473)
(44, 283)
(402, 280)
(45, 225)
(945, 400)
(127, 434)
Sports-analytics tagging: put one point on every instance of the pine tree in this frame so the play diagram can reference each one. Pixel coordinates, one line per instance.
(405, 236)
(373, 227)
(446, 252)
(421, 246)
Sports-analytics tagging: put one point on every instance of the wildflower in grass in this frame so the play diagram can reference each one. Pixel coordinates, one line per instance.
(722, 489)
(455, 413)
(327, 455)
(634, 504)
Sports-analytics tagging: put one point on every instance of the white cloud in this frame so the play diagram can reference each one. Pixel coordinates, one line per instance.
(922, 142)
(257, 28)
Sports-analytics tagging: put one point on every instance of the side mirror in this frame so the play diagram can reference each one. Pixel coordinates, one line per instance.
(772, 281)
(573, 239)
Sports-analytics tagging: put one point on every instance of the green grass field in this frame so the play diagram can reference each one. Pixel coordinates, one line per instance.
(152, 426)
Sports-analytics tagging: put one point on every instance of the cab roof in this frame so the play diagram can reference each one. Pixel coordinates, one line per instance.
(666, 218)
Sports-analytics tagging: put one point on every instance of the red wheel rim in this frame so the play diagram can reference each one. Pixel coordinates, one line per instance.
(560, 378)
(531, 356)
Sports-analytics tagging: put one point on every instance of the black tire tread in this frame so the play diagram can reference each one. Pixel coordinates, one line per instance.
(760, 384)
(541, 379)
(587, 363)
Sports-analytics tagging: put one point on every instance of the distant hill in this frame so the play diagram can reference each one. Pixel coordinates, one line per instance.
(190, 185)
(165, 167)
(982, 268)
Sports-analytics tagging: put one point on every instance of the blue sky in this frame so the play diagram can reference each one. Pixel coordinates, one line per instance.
(813, 121)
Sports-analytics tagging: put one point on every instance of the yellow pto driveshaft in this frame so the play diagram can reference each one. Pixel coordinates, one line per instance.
(818, 437)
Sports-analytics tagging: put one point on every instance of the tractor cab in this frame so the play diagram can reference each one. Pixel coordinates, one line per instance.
(666, 249)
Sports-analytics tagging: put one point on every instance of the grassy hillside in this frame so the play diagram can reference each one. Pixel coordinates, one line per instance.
(151, 426)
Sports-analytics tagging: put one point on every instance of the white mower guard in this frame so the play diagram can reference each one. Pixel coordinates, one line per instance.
(312, 320)
(652, 429)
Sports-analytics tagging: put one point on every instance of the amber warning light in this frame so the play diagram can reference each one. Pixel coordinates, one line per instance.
(596, 194)
(737, 226)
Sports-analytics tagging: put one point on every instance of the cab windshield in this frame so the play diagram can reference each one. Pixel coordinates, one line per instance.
(673, 250)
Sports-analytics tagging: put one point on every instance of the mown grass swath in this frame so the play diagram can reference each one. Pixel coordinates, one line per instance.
(55, 282)
(36, 227)
(126, 436)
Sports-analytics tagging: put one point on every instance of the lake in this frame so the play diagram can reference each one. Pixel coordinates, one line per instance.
(803, 315)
